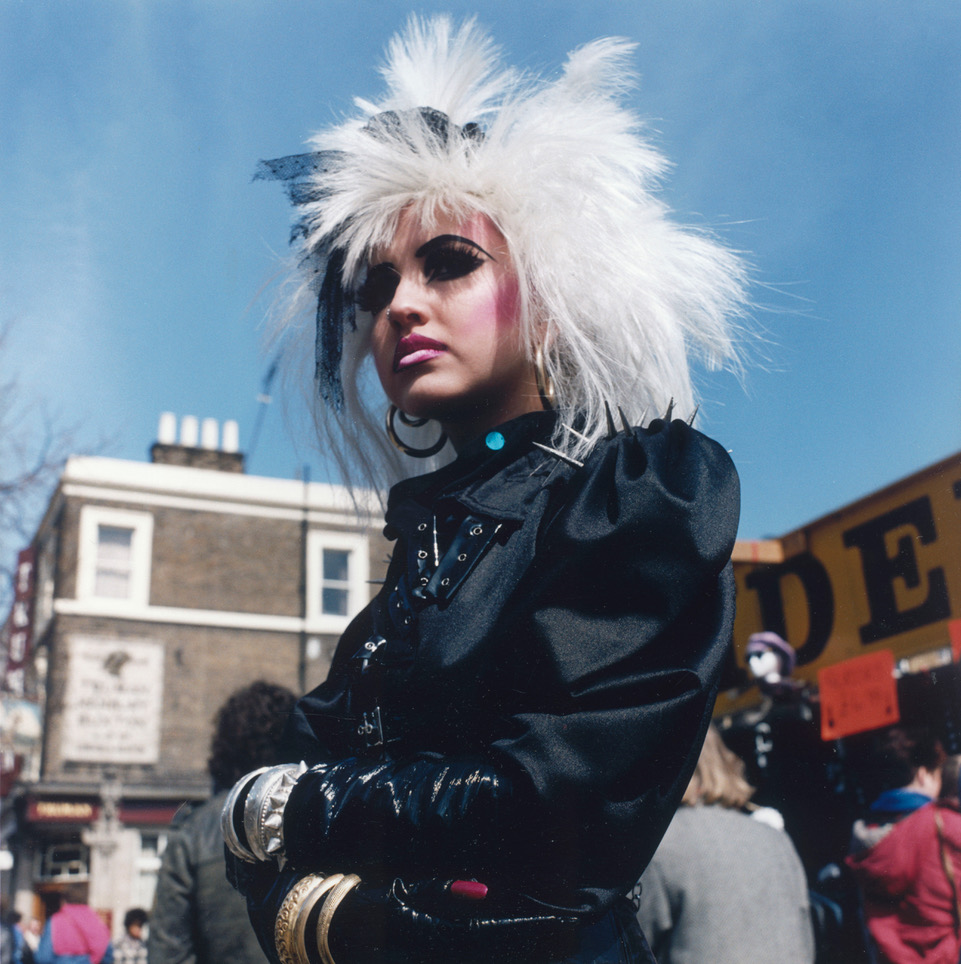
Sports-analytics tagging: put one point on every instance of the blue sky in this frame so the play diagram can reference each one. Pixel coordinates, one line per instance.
(822, 138)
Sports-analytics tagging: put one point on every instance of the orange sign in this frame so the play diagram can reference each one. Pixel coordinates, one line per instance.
(858, 694)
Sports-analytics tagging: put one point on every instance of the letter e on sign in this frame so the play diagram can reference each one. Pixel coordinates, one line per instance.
(858, 694)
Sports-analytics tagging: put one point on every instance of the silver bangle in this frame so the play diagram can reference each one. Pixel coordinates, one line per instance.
(264, 810)
(227, 826)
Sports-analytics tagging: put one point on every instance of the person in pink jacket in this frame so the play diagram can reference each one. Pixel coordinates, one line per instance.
(73, 934)
(911, 882)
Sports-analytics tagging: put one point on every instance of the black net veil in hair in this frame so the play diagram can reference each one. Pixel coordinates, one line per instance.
(323, 265)
(247, 732)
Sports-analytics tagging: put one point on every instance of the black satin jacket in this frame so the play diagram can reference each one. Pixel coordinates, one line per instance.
(524, 701)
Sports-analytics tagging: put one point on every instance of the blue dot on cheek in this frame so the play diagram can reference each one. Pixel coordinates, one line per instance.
(494, 441)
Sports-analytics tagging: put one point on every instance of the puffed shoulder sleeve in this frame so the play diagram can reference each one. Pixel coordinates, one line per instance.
(626, 614)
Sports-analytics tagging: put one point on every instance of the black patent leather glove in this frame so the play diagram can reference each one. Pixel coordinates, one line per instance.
(423, 923)
(408, 813)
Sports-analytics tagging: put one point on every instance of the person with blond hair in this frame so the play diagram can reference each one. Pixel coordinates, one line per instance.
(725, 887)
(507, 729)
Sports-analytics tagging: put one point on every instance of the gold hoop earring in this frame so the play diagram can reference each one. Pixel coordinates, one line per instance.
(395, 439)
(545, 384)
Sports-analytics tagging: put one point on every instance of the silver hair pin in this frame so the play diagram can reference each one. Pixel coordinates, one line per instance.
(574, 431)
(559, 455)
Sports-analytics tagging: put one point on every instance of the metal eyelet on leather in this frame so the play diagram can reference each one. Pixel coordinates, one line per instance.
(462, 557)
(422, 554)
(422, 527)
(477, 530)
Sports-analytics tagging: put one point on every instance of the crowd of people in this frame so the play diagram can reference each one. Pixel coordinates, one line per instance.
(727, 883)
(725, 886)
(72, 933)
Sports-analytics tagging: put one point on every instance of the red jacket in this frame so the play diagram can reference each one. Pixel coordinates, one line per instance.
(909, 906)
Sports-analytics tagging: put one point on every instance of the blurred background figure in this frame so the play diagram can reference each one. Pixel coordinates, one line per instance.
(131, 948)
(198, 918)
(31, 934)
(906, 765)
(724, 887)
(771, 661)
(15, 947)
(910, 881)
(74, 932)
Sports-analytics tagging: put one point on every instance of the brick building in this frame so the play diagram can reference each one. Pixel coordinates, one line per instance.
(161, 588)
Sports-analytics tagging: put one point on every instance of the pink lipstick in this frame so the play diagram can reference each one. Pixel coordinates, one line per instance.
(413, 349)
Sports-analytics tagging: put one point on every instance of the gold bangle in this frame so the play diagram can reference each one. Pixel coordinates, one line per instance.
(299, 938)
(343, 888)
(291, 921)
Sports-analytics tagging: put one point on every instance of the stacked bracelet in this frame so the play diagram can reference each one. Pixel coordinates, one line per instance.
(264, 810)
(342, 888)
(252, 819)
(290, 926)
(232, 812)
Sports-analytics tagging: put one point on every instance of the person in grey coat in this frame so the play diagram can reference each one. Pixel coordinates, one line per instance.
(198, 918)
(725, 886)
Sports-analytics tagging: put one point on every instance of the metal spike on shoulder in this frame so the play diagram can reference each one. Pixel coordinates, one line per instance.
(624, 421)
(559, 455)
(690, 421)
(611, 427)
(669, 414)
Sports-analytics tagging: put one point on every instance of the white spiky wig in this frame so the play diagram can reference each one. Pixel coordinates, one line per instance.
(618, 294)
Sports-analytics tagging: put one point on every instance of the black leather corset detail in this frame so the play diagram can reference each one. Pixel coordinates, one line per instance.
(429, 577)
(432, 577)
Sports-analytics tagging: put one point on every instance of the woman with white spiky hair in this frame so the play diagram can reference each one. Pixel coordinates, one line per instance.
(507, 729)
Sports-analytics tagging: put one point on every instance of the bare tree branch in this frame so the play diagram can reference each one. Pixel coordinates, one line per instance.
(35, 443)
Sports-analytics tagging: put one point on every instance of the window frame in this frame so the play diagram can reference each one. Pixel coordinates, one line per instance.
(92, 517)
(358, 575)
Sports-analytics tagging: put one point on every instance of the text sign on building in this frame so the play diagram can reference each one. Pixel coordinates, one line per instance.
(114, 700)
(18, 631)
(884, 572)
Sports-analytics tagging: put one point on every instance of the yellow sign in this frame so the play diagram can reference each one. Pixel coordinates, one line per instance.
(63, 810)
(882, 573)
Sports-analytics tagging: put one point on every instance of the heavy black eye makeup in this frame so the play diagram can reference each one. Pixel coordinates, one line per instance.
(377, 290)
(446, 258)
(449, 256)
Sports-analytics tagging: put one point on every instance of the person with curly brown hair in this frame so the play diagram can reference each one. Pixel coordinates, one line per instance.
(198, 918)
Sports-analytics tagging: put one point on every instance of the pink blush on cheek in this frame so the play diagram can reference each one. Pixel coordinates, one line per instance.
(506, 303)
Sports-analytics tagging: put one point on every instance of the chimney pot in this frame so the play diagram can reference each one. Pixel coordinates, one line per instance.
(167, 429)
(209, 433)
(189, 431)
(231, 436)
